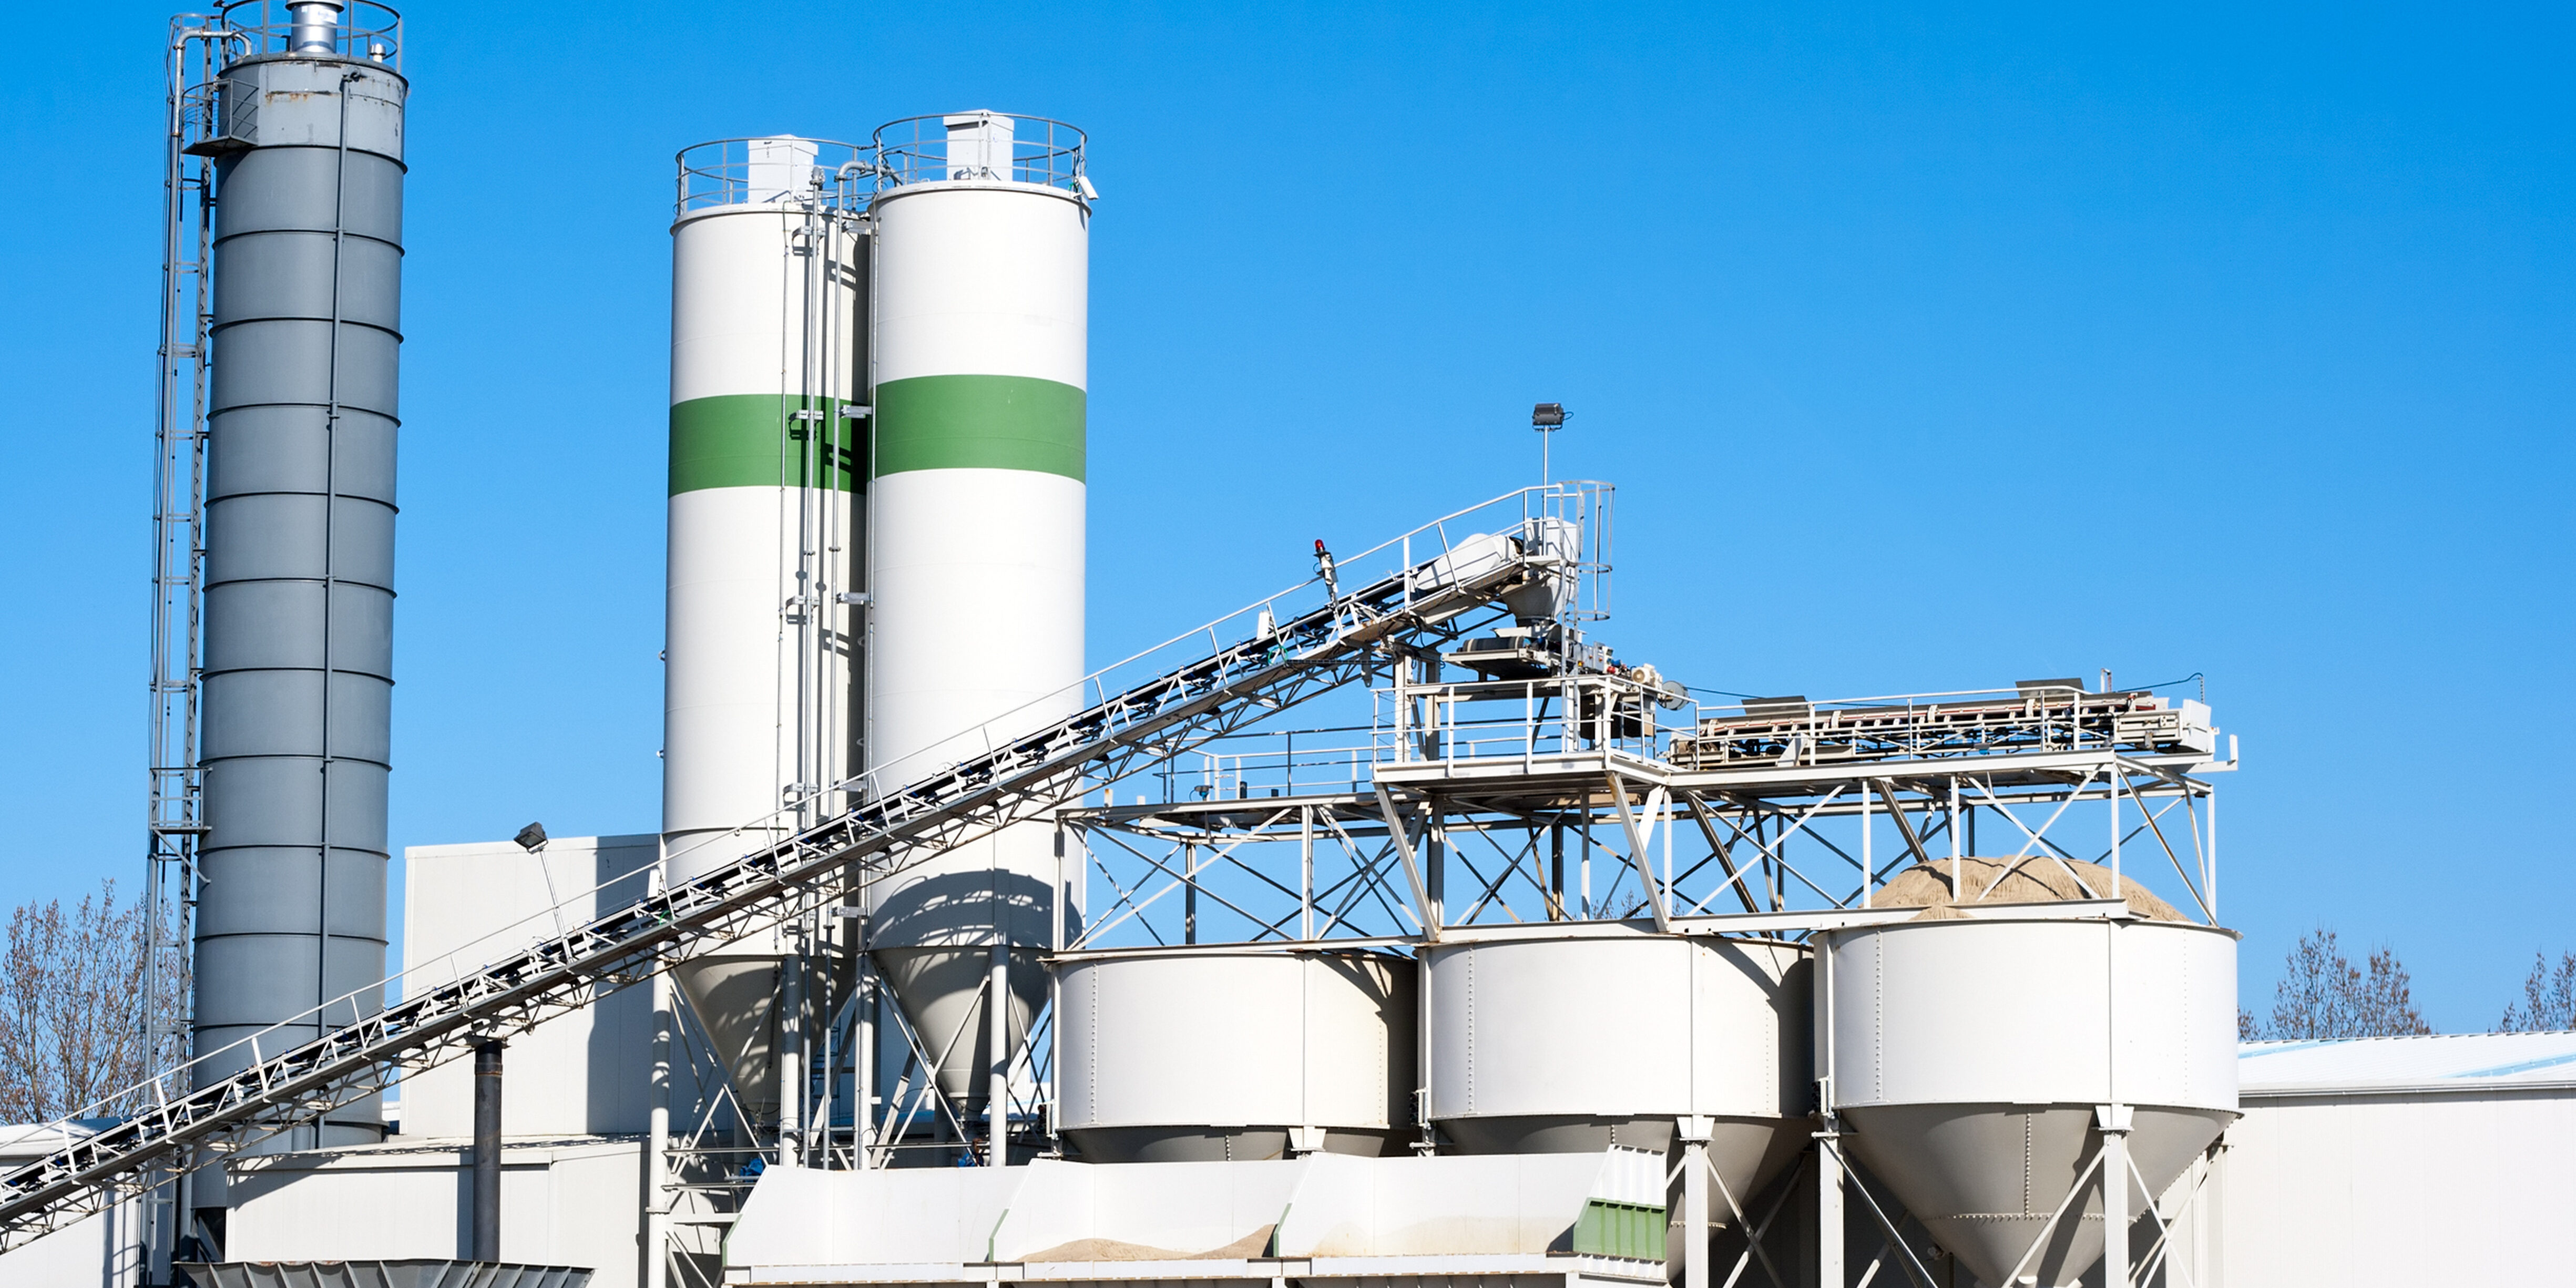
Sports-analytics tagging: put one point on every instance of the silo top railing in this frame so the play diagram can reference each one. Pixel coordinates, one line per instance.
(918, 149)
(364, 30)
(822, 173)
(922, 149)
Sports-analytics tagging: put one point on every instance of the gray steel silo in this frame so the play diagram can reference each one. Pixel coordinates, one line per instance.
(298, 672)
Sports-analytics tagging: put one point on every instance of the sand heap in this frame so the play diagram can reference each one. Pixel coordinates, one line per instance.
(2032, 878)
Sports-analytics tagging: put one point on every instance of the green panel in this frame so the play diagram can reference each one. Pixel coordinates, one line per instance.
(1608, 1229)
(979, 422)
(759, 440)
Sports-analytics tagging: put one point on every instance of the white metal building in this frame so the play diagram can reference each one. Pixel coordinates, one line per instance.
(577, 1075)
(2401, 1161)
(573, 1116)
(104, 1248)
(569, 1202)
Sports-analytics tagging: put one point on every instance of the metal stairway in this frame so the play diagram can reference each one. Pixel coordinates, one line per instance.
(166, 1123)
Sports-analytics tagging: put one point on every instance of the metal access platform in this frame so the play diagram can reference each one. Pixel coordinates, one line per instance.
(1607, 795)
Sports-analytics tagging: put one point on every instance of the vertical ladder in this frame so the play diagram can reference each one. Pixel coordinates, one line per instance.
(174, 818)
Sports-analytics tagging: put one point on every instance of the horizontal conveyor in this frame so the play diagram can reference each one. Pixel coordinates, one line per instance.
(1791, 731)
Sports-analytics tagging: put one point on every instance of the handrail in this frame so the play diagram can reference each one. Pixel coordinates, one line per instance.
(365, 29)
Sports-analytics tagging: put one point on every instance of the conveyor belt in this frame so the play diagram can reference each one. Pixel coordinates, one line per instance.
(1233, 685)
(1790, 731)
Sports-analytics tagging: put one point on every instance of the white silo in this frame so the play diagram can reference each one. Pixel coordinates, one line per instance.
(767, 270)
(976, 537)
(1974, 1059)
(1199, 1055)
(1587, 1039)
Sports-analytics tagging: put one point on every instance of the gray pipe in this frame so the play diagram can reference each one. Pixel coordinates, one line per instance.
(313, 27)
(298, 676)
(487, 1152)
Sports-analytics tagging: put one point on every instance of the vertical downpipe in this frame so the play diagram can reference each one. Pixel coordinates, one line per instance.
(863, 1107)
(1829, 1159)
(486, 1244)
(1306, 872)
(2211, 882)
(1064, 896)
(791, 1052)
(330, 513)
(1423, 1047)
(997, 1097)
(1957, 868)
(657, 1131)
(1868, 857)
(1583, 874)
(2114, 1117)
(1695, 1129)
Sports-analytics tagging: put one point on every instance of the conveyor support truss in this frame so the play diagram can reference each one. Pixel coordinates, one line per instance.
(1418, 608)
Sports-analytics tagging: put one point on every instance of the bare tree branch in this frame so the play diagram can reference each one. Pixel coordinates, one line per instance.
(74, 1022)
(2548, 998)
(2323, 995)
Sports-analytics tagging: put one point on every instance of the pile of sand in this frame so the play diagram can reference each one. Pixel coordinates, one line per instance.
(1250, 1245)
(2033, 878)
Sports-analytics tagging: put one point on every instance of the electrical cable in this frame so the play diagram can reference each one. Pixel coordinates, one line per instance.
(2204, 684)
(1748, 697)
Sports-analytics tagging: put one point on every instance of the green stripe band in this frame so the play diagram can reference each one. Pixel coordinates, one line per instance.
(979, 422)
(760, 440)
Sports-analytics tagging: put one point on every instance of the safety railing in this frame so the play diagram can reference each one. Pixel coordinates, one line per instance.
(360, 29)
(2034, 717)
(992, 147)
(774, 171)
(1481, 722)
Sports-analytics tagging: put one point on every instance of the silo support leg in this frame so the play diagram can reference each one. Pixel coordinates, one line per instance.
(2114, 1121)
(1912, 1265)
(1829, 1213)
(1695, 1202)
(1695, 1130)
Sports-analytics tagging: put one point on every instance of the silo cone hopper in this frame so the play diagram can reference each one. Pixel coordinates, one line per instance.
(1975, 1048)
(942, 992)
(734, 991)
(932, 931)
(734, 996)
(1988, 1179)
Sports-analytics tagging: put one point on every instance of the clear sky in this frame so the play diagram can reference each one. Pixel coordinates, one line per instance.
(1929, 349)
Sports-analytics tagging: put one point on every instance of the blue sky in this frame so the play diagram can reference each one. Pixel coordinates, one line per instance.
(1930, 348)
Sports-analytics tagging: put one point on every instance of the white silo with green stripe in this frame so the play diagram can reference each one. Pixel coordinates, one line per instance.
(768, 326)
(976, 501)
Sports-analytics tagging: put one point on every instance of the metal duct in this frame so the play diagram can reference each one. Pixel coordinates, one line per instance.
(298, 677)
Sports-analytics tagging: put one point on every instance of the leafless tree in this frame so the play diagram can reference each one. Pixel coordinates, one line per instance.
(2548, 998)
(2323, 995)
(73, 1014)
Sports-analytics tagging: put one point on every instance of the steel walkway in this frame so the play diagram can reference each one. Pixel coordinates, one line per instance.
(1421, 607)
